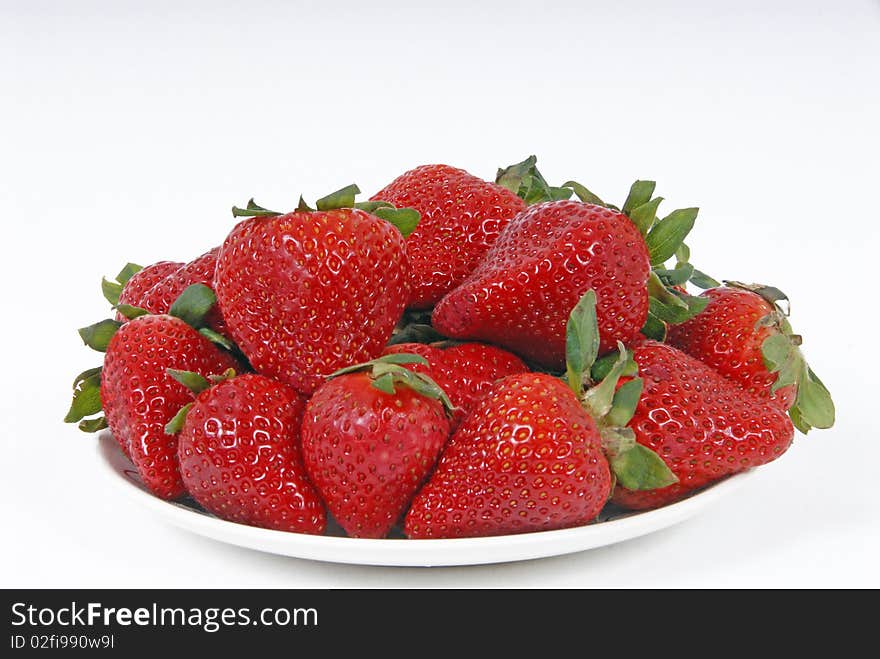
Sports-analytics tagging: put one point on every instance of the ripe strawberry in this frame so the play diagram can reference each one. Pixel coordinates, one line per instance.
(521, 293)
(744, 334)
(537, 455)
(529, 458)
(240, 457)
(702, 425)
(139, 397)
(462, 216)
(465, 371)
(161, 296)
(134, 289)
(309, 292)
(369, 440)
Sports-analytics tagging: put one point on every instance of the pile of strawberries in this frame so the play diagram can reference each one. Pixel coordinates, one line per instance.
(459, 357)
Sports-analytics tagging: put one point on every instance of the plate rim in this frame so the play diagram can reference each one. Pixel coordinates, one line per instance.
(398, 552)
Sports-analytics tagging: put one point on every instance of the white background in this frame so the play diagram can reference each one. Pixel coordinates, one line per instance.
(127, 131)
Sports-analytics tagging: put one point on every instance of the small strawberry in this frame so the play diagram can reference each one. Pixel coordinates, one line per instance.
(133, 282)
(369, 440)
(162, 295)
(309, 292)
(464, 371)
(704, 426)
(744, 334)
(239, 453)
(135, 392)
(537, 455)
(521, 293)
(462, 216)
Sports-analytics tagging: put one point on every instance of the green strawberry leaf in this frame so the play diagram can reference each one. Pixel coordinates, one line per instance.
(97, 336)
(131, 312)
(625, 401)
(640, 193)
(678, 276)
(813, 406)
(193, 305)
(253, 210)
(195, 382)
(664, 239)
(371, 206)
(385, 383)
(405, 219)
(604, 364)
(683, 253)
(704, 281)
(343, 198)
(583, 193)
(645, 215)
(93, 425)
(638, 468)
(176, 424)
(86, 396)
(512, 177)
(127, 272)
(654, 328)
(581, 341)
(216, 337)
(776, 351)
(111, 290)
(600, 399)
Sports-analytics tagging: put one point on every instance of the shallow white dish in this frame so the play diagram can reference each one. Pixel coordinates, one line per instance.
(616, 526)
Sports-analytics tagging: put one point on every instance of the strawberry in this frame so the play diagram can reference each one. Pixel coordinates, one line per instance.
(462, 216)
(744, 334)
(133, 282)
(135, 392)
(162, 295)
(239, 453)
(369, 440)
(464, 371)
(309, 292)
(534, 456)
(521, 293)
(704, 426)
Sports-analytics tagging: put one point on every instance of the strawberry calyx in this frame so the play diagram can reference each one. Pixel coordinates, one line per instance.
(196, 383)
(634, 466)
(525, 181)
(387, 372)
(113, 289)
(781, 352)
(405, 219)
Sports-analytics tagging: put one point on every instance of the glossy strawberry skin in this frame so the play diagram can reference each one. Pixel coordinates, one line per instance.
(163, 294)
(522, 292)
(704, 426)
(142, 281)
(240, 456)
(462, 216)
(305, 294)
(139, 397)
(466, 372)
(724, 336)
(528, 458)
(368, 451)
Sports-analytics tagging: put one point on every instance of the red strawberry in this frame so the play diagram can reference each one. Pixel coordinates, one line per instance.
(369, 440)
(462, 216)
(133, 291)
(465, 371)
(161, 296)
(309, 292)
(139, 397)
(702, 425)
(240, 456)
(529, 458)
(521, 293)
(744, 334)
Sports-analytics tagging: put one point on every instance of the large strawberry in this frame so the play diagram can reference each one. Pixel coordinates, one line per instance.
(535, 454)
(744, 334)
(239, 453)
(309, 292)
(134, 390)
(133, 282)
(370, 438)
(464, 371)
(704, 426)
(522, 292)
(462, 216)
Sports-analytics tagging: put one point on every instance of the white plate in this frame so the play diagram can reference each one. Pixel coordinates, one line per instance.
(616, 526)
